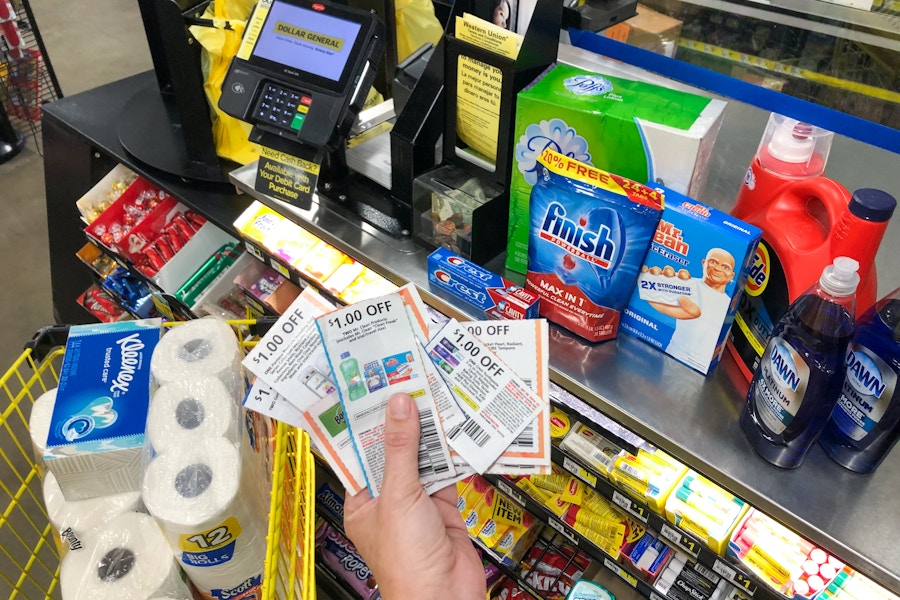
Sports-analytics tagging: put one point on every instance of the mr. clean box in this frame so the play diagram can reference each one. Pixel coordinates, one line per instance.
(96, 440)
(691, 281)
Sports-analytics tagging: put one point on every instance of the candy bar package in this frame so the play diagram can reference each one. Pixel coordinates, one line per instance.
(344, 559)
(590, 231)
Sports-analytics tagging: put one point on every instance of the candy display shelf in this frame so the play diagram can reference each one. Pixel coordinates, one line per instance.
(691, 417)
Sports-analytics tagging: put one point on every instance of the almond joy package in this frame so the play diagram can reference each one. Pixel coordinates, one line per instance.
(590, 231)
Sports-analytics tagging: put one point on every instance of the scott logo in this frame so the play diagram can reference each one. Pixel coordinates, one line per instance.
(459, 287)
(595, 247)
(783, 367)
(758, 277)
(863, 374)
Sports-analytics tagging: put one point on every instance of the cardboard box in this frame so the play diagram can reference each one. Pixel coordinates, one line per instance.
(96, 441)
(694, 273)
(637, 130)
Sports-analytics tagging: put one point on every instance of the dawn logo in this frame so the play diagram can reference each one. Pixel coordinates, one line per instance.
(863, 374)
(554, 134)
(783, 367)
(588, 85)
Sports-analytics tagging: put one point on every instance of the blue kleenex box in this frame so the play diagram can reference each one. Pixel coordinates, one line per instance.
(96, 439)
(691, 281)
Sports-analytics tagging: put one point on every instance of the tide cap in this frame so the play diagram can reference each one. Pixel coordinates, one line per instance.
(840, 278)
(872, 205)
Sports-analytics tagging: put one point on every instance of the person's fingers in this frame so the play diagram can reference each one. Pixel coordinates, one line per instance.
(359, 516)
(401, 450)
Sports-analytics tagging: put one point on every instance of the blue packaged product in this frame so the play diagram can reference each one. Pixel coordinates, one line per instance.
(691, 281)
(865, 424)
(331, 502)
(96, 437)
(801, 373)
(590, 231)
(496, 296)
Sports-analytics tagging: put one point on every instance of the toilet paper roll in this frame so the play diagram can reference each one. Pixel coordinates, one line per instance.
(186, 412)
(126, 558)
(206, 347)
(194, 492)
(72, 519)
(39, 424)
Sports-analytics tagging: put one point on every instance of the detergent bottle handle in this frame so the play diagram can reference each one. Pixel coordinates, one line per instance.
(820, 200)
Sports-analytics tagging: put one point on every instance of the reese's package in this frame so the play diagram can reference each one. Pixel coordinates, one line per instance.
(590, 231)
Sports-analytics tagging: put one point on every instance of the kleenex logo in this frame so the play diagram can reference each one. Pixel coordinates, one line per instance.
(130, 348)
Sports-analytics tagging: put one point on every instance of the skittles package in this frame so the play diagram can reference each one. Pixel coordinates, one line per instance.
(590, 231)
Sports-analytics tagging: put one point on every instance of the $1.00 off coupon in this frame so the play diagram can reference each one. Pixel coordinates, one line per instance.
(374, 353)
(498, 405)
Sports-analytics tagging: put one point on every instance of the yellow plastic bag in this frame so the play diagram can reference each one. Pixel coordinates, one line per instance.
(416, 26)
(220, 43)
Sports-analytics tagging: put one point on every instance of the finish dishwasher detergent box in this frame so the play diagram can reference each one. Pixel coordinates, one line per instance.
(95, 446)
(634, 129)
(690, 283)
(590, 231)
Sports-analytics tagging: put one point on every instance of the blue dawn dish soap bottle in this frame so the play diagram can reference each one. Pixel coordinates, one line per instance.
(802, 369)
(865, 424)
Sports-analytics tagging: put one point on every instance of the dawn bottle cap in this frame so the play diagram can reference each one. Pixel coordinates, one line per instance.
(840, 278)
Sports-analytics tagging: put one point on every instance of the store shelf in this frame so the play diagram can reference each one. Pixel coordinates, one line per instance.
(693, 418)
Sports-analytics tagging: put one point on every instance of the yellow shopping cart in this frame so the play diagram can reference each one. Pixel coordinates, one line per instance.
(29, 555)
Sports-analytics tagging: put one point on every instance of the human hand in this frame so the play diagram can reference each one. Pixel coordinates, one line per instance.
(416, 545)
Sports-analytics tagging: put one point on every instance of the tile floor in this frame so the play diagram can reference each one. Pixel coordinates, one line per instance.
(89, 42)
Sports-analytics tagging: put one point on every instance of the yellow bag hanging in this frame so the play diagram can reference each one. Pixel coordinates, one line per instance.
(220, 43)
(416, 26)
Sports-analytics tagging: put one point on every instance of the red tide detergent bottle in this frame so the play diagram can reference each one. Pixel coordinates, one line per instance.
(807, 220)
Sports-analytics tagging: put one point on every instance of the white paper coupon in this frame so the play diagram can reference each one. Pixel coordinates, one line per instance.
(290, 357)
(263, 399)
(326, 425)
(497, 403)
(417, 311)
(374, 353)
(522, 344)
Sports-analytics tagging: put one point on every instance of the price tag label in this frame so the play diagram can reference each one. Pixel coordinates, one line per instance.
(579, 472)
(285, 272)
(635, 509)
(565, 531)
(655, 596)
(746, 584)
(627, 577)
(255, 251)
(684, 542)
(514, 495)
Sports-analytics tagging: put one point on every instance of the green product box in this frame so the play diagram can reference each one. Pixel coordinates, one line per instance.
(638, 130)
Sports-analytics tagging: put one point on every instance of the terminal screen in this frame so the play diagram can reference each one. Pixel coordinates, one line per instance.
(306, 40)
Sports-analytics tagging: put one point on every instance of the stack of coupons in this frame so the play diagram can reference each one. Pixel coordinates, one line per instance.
(480, 388)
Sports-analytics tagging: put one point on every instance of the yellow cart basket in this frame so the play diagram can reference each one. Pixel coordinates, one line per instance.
(29, 554)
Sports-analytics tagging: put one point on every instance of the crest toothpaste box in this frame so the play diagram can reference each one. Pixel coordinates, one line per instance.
(589, 233)
(634, 129)
(690, 283)
(497, 297)
(96, 440)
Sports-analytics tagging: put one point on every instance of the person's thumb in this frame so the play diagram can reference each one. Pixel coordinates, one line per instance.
(401, 449)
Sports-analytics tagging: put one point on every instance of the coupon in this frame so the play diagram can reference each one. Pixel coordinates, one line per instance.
(327, 427)
(290, 357)
(373, 351)
(263, 399)
(522, 344)
(497, 403)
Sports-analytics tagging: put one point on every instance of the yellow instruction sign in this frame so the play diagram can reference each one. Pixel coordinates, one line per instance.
(253, 29)
(478, 105)
(286, 177)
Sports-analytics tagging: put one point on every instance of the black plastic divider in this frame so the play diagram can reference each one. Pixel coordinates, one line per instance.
(575, 538)
(331, 584)
(674, 535)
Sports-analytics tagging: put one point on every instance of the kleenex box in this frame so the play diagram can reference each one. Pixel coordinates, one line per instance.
(96, 439)
(690, 284)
